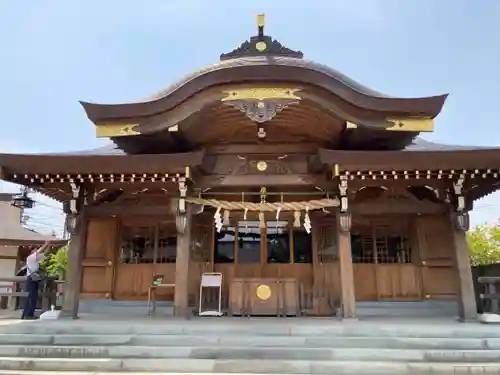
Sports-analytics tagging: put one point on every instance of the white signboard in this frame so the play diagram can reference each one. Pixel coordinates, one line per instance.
(211, 280)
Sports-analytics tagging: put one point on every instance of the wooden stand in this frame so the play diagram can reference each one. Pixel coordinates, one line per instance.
(152, 296)
(256, 296)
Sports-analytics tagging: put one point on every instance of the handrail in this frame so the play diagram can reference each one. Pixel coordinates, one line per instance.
(48, 290)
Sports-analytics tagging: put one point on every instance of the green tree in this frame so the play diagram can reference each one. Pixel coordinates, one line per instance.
(56, 263)
(484, 244)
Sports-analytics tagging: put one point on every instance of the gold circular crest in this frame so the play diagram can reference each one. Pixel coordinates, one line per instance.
(261, 46)
(260, 105)
(263, 292)
(261, 166)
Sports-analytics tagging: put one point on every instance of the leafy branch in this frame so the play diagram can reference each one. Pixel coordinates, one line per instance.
(484, 244)
(56, 263)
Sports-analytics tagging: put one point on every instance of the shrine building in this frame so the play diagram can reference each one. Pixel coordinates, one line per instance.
(306, 190)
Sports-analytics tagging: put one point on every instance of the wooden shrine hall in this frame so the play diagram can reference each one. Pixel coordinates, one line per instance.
(307, 191)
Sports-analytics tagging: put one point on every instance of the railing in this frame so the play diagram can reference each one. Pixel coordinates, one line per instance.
(490, 298)
(47, 292)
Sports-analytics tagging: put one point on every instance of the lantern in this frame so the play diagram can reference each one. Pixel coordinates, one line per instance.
(344, 221)
(71, 223)
(461, 221)
(23, 201)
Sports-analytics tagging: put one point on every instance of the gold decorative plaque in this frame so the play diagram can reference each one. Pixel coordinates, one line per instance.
(263, 292)
(261, 46)
(260, 93)
(115, 130)
(261, 166)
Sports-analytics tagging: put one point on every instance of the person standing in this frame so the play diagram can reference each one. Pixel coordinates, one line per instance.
(33, 278)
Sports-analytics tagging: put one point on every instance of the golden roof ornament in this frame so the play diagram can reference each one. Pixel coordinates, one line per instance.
(261, 44)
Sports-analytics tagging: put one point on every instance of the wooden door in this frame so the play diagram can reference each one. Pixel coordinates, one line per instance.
(436, 257)
(99, 259)
(384, 257)
(326, 269)
(136, 253)
(146, 249)
(398, 277)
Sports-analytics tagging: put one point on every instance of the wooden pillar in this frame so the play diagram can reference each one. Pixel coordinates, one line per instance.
(73, 277)
(346, 268)
(467, 307)
(181, 297)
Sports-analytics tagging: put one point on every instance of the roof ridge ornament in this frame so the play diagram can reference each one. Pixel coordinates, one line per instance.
(261, 44)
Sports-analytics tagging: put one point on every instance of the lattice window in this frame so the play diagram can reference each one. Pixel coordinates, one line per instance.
(362, 248)
(380, 244)
(137, 244)
(393, 249)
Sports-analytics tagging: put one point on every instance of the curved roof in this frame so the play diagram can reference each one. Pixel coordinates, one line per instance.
(266, 68)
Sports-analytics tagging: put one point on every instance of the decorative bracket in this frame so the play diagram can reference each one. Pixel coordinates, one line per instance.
(458, 190)
(262, 111)
(75, 192)
(261, 104)
(183, 194)
(343, 194)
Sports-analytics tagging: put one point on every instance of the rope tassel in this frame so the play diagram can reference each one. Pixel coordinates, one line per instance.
(218, 219)
(307, 221)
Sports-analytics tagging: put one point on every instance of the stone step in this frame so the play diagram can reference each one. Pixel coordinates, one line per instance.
(253, 341)
(246, 353)
(250, 327)
(252, 366)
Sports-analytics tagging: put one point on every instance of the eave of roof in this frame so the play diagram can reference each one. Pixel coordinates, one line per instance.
(421, 154)
(108, 159)
(266, 69)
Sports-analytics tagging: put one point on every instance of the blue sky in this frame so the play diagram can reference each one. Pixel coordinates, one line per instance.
(56, 52)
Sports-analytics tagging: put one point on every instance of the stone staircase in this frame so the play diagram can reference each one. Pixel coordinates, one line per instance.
(408, 309)
(241, 345)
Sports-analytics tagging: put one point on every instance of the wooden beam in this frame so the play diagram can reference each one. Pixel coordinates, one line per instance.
(466, 294)
(400, 183)
(245, 149)
(315, 165)
(348, 299)
(180, 140)
(107, 210)
(181, 296)
(388, 207)
(4, 175)
(76, 251)
(248, 180)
